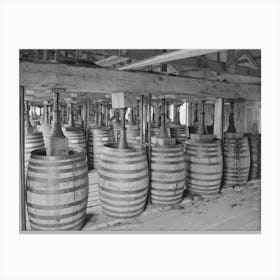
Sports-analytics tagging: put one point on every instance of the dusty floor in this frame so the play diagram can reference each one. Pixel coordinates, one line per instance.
(237, 209)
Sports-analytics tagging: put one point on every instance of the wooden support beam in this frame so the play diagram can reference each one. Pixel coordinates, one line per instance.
(219, 118)
(95, 80)
(22, 169)
(141, 119)
(167, 57)
(252, 60)
(193, 63)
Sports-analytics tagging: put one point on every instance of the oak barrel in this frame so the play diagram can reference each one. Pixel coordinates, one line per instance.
(57, 191)
(32, 142)
(179, 133)
(236, 161)
(96, 139)
(76, 139)
(133, 134)
(168, 172)
(123, 181)
(255, 154)
(204, 161)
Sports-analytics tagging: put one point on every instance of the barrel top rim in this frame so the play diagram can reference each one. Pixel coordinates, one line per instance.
(113, 147)
(41, 154)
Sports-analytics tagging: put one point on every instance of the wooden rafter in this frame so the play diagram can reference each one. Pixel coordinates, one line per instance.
(166, 57)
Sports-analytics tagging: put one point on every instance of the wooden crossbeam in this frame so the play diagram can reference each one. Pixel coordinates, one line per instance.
(83, 79)
(252, 60)
(217, 66)
(166, 57)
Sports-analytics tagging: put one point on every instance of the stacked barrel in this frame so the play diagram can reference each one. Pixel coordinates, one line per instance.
(236, 159)
(236, 155)
(179, 133)
(204, 160)
(77, 139)
(57, 183)
(96, 139)
(168, 168)
(123, 176)
(255, 153)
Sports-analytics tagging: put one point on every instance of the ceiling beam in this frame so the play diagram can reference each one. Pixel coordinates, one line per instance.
(111, 61)
(167, 57)
(82, 79)
(217, 66)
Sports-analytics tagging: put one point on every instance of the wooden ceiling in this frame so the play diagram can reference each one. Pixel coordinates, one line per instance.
(227, 66)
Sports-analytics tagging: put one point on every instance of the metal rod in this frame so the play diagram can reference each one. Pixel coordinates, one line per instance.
(22, 167)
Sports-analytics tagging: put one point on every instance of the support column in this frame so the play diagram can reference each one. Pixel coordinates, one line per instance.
(231, 127)
(22, 169)
(201, 128)
(123, 141)
(219, 118)
(141, 119)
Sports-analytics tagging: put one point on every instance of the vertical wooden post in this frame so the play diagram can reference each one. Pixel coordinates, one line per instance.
(149, 145)
(145, 109)
(219, 118)
(22, 171)
(141, 119)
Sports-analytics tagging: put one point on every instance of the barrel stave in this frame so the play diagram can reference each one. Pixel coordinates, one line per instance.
(204, 167)
(57, 191)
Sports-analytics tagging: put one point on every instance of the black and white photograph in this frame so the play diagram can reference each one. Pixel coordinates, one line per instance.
(140, 140)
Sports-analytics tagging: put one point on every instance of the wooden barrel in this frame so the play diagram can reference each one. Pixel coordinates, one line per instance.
(179, 133)
(204, 166)
(168, 172)
(255, 155)
(46, 130)
(32, 142)
(123, 181)
(133, 135)
(57, 191)
(76, 140)
(96, 139)
(236, 161)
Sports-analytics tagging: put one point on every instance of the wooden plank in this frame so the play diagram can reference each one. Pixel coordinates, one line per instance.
(103, 81)
(167, 57)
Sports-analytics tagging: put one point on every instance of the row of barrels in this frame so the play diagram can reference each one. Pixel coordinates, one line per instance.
(198, 168)
(57, 187)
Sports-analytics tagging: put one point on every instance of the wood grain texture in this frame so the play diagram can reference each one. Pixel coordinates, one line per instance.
(168, 172)
(204, 167)
(123, 181)
(82, 79)
(57, 191)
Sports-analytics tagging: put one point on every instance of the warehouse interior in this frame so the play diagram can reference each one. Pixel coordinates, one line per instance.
(140, 140)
